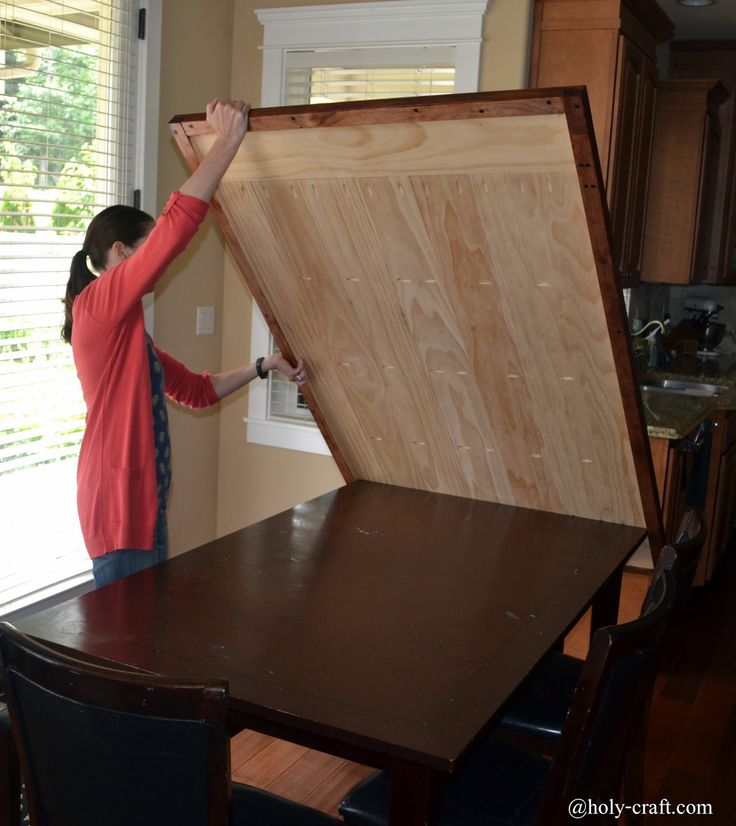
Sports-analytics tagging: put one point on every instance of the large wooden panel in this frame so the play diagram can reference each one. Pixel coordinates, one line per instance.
(437, 269)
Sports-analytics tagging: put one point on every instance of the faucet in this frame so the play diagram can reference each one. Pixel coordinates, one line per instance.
(657, 351)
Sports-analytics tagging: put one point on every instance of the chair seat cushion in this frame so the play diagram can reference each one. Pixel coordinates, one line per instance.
(498, 784)
(255, 807)
(541, 707)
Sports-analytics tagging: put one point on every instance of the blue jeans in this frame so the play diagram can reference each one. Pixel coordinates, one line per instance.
(117, 564)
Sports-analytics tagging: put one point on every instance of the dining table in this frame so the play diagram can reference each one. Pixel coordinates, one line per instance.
(383, 624)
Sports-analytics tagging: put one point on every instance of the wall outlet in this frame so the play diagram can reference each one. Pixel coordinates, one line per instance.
(205, 321)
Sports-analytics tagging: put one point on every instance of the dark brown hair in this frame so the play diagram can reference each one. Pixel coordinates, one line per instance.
(116, 223)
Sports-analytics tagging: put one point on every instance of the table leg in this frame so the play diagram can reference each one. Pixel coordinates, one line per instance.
(9, 779)
(606, 602)
(415, 795)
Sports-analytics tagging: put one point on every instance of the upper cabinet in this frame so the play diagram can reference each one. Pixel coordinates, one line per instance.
(717, 59)
(681, 239)
(610, 47)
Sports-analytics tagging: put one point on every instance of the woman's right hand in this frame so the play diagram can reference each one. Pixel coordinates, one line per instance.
(228, 119)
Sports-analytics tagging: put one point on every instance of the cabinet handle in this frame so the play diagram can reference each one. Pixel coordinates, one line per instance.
(693, 445)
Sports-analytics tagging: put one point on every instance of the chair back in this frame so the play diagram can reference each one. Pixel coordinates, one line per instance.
(101, 745)
(615, 683)
(681, 557)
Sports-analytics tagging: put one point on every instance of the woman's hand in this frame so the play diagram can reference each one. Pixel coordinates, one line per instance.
(228, 119)
(229, 122)
(226, 383)
(278, 362)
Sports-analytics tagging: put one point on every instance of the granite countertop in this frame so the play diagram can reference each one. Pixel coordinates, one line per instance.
(673, 415)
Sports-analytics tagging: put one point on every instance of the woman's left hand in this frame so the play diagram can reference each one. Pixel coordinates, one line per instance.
(278, 362)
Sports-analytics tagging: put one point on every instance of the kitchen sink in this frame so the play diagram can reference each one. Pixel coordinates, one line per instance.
(688, 388)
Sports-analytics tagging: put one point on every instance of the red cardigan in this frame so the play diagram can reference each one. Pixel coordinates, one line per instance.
(116, 477)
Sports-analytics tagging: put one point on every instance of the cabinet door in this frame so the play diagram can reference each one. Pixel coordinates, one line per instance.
(707, 254)
(681, 184)
(629, 176)
(707, 59)
(670, 468)
(722, 515)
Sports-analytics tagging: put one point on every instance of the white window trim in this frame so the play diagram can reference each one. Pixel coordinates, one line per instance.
(395, 23)
(261, 429)
(147, 114)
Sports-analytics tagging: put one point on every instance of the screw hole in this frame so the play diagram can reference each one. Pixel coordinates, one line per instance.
(482, 111)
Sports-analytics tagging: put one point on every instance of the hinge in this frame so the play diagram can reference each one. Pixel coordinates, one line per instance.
(137, 198)
(141, 24)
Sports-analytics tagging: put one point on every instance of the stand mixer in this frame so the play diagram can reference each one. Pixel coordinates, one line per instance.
(709, 331)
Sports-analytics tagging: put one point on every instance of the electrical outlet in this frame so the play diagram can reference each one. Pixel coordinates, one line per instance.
(205, 321)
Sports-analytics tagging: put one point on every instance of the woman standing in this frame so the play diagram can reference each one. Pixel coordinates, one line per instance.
(124, 470)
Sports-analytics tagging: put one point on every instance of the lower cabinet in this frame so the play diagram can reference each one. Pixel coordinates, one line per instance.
(700, 471)
(720, 506)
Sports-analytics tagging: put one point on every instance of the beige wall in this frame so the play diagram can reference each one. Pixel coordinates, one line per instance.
(191, 29)
(256, 481)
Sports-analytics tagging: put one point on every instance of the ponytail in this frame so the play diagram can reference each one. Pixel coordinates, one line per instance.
(116, 223)
(79, 277)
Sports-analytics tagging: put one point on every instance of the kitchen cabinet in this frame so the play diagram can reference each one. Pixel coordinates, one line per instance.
(717, 59)
(610, 47)
(720, 503)
(683, 481)
(672, 463)
(679, 227)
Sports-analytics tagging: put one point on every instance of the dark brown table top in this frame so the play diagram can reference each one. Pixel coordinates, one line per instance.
(384, 620)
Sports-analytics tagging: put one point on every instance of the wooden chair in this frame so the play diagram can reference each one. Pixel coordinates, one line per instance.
(540, 709)
(502, 784)
(99, 745)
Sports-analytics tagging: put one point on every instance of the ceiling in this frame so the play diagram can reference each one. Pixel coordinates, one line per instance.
(717, 22)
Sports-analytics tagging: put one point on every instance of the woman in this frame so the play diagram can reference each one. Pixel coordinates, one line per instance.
(124, 462)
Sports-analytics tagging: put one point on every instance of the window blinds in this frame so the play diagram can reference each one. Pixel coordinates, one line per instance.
(67, 89)
(334, 75)
(66, 107)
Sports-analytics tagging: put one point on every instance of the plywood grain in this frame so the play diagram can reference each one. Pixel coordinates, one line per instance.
(440, 281)
(364, 151)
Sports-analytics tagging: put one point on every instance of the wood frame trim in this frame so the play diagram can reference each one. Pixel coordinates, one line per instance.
(573, 103)
(580, 124)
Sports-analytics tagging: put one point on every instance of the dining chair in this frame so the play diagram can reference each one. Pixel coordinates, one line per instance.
(500, 783)
(540, 709)
(106, 745)
(12, 810)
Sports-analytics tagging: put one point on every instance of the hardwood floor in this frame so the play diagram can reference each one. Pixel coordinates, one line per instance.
(304, 775)
(691, 756)
(691, 751)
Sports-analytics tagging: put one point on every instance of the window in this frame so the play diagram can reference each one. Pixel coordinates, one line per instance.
(68, 108)
(355, 51)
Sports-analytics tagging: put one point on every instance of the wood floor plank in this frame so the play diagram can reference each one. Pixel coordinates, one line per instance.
(666, 721)
(245, 746)
(304, 776)
(328, 795)
(271, 762)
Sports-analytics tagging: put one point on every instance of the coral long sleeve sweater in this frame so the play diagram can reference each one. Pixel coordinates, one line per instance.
(116, 477)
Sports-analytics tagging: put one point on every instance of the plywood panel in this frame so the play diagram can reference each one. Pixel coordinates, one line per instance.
(439, 278)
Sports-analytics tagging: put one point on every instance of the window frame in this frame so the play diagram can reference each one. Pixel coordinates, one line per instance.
(377, 25)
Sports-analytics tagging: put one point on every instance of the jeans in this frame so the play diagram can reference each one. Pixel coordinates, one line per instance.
(117, 564)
